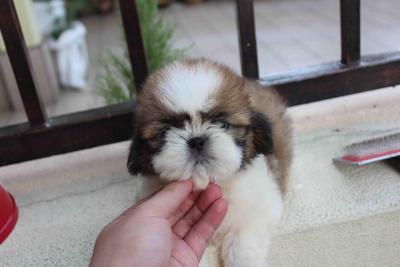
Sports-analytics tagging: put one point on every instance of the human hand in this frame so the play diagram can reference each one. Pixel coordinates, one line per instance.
(170, 228)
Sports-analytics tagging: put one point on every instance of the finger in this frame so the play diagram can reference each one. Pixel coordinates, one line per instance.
(206, 199)
(131, 209)
(184, 207)
(199, 236)
(181, 254)
(164, 203)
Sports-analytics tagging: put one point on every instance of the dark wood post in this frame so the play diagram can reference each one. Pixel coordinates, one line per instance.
(247, 38)
(20, 63)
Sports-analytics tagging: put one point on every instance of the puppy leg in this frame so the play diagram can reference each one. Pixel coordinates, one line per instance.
(247, 247)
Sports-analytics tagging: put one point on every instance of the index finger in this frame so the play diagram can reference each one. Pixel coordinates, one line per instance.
(165, 202)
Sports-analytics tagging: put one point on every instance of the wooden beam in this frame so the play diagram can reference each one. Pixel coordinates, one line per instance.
(20, 63)
(335, 79)
(66, 133)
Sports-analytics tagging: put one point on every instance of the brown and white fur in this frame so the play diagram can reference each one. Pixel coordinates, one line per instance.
(198, 119)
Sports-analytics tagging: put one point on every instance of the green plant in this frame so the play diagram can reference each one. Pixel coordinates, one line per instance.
(116, 84)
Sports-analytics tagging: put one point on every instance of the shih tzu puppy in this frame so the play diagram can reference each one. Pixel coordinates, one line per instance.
(196, 119)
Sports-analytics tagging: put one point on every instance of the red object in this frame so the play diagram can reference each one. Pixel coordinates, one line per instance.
(8, 214)
(371, 156)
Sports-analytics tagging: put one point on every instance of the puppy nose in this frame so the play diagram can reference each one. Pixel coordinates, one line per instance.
(197, 143)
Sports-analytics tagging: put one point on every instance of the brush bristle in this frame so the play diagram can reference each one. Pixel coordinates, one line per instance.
(374, 146)
(371, 150)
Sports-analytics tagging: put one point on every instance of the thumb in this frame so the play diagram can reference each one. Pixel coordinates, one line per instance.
(167, 200)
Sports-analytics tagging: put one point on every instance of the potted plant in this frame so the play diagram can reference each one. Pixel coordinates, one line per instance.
(116, 83)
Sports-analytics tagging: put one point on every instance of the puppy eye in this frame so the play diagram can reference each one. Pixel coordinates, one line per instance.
(173, 122)
(160, 134)
(178, 124)
(226, 125)
(222, 123)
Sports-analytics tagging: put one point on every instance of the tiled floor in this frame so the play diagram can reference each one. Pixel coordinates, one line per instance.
(290, 34)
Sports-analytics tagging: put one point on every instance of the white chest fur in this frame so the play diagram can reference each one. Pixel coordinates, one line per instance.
(253, 196)
(255, 208)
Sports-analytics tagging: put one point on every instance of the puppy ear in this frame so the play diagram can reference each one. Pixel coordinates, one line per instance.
(262, 131)
(134, 165)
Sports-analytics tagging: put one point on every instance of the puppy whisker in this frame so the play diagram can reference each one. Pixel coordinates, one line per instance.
(182, 137)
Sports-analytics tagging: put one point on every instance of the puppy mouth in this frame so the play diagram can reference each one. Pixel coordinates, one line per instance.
(199, 158)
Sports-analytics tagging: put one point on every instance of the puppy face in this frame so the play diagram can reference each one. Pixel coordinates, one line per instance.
(194, 120)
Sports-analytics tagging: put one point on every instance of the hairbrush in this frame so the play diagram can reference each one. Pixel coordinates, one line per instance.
(372, 150)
